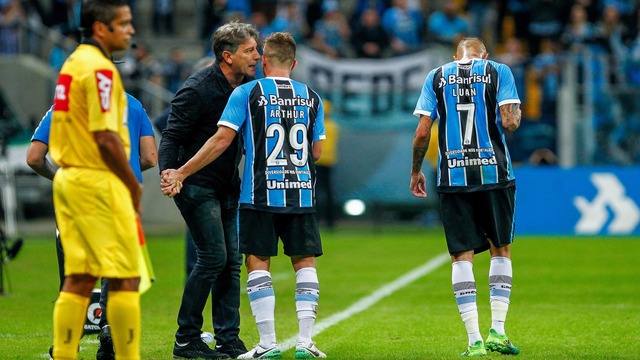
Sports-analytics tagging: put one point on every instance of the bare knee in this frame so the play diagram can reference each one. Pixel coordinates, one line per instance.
(303, 261)
(128, 284)
(80, 284)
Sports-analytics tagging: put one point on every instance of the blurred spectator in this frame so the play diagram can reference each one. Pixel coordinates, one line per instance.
(531, 135)
(517, 59)
(332, 32)
(447, 26)
(62, 49)
(380, 6)
(625, 8)
(369, 39)
(633, 60)
(243, 7)
(513, 18)
(579, 32)
(162, 19)
(176, 70)
(65, 15)
(404, 26)
(140, 64)
(313, 13)
(610, 34)
(212, 16)
(261, 23)
(268, 7)
(482, 16)
(546, 21)
(11, 15)
(546, 69)
(35, 17)
(592, 7)
(291, 20)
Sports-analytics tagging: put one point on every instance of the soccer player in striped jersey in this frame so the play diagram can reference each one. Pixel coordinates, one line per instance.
(474, 100)
(281, 122)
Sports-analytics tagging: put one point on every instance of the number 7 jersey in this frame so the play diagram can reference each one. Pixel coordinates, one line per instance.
(465, 98)
(279, 120)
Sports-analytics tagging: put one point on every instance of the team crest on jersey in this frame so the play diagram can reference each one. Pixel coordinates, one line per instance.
(104, 79)
(61, 101)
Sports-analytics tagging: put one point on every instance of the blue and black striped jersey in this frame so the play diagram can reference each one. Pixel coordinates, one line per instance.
(279, 119)
(465, 98)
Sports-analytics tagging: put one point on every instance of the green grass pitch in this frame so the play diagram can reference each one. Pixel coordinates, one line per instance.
(573, 298)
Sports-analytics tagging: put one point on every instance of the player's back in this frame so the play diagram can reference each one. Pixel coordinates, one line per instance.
(472, 146)
(283, 120)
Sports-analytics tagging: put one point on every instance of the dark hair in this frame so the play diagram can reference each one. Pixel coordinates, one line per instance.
(103, 11)
(229, 36)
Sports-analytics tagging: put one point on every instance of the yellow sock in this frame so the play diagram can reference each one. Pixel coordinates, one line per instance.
(69, 316)
(123, 315)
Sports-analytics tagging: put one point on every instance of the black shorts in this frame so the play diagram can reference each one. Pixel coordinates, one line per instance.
(259, 232)
(473, 219)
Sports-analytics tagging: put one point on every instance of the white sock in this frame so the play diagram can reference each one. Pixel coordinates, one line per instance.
(500, 277)
(464, 290)
(263, 304)
(307, 293)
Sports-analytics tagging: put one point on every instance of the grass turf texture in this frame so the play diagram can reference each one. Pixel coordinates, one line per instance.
(573, 298)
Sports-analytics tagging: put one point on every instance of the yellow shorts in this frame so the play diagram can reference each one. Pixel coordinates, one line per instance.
(97, 223)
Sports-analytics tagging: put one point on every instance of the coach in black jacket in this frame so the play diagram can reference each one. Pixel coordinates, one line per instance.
(208, 200)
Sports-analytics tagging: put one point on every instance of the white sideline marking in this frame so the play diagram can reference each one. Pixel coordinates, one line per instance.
(373, 298)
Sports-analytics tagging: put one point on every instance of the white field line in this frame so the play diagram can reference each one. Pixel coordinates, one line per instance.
(374, 297)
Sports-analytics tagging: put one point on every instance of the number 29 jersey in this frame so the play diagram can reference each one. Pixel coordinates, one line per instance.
(466, 100)
(279, 119)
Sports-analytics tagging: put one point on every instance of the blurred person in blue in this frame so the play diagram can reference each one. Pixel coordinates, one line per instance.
(404, 26)
(579, 33)
(446, 26)
(11, 16)
(143, 156)
(290, 19)
(332, 32)
(546, 70)
(277, 196)
(474, 101)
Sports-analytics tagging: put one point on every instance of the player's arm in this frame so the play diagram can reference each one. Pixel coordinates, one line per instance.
(420, 146)
(113, 154)
(511, 115)
(148, 152)
(37, 159)
(211, 150)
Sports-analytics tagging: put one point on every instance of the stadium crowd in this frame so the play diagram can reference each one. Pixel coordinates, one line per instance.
(534, 37)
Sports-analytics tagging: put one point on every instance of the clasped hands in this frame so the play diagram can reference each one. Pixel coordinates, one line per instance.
(171, 182)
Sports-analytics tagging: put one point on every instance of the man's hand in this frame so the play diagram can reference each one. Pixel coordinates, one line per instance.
(171, 182)
(418, 185)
